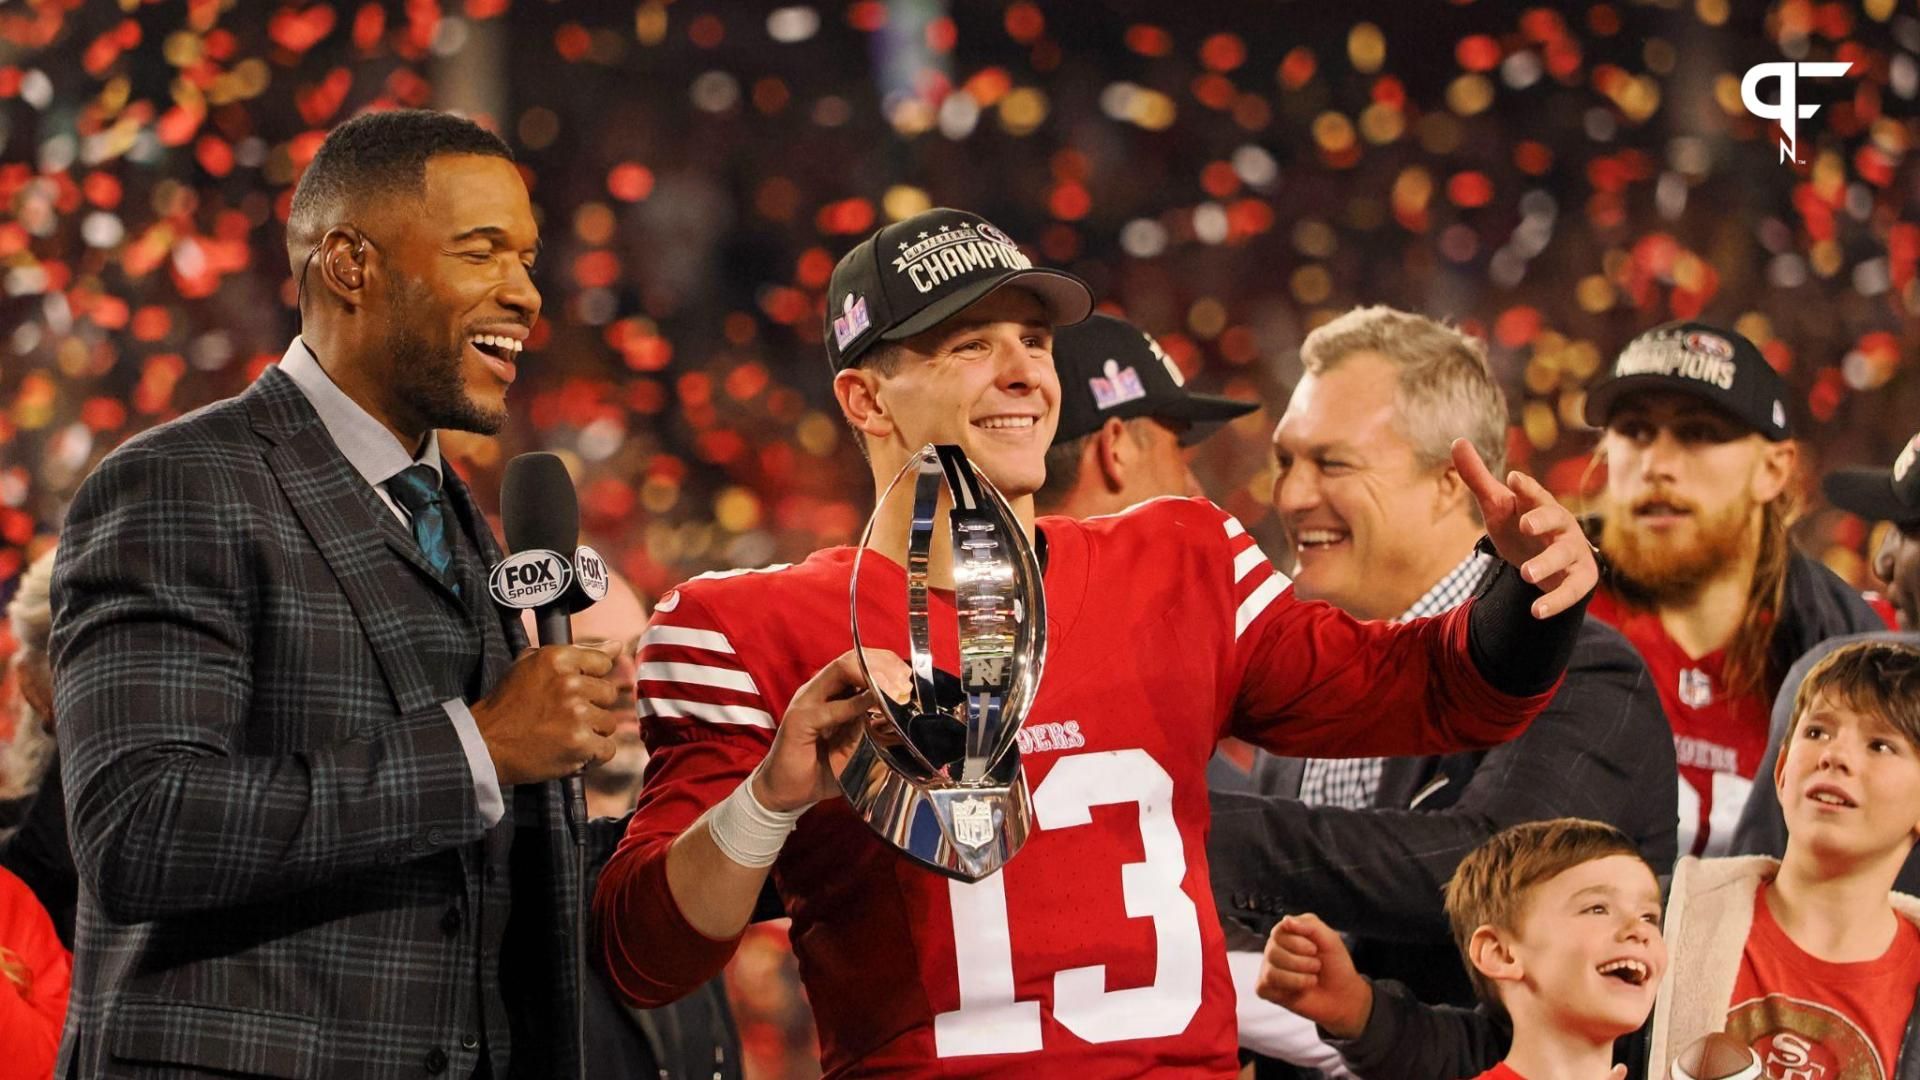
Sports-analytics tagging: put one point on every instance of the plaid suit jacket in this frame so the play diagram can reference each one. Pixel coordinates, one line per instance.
(272, 815)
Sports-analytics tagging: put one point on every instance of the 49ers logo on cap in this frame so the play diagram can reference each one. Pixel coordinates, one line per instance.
(1711, 344)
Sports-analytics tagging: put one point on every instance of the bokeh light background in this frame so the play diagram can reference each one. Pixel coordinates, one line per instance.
(1555, 177)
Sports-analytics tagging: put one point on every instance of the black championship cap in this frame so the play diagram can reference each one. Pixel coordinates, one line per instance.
(1717, 366)
(915, 274)
(1108, 367)
(1880, 494)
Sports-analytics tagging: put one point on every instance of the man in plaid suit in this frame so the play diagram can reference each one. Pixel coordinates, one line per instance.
(310, 768)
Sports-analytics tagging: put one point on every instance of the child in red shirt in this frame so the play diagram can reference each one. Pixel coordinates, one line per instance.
(1559, 923)
(35, 971)
(1814, 961)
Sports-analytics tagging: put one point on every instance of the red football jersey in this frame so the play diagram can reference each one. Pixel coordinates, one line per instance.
(1719, 738)
(1096, 952)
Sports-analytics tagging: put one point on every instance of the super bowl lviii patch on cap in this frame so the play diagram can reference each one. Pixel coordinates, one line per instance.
(915, 274)
(1115, 386)
(1717, 366)
(852, 320)
(1110, 368)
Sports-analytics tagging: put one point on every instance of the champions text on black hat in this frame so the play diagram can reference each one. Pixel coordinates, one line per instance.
(915, 274)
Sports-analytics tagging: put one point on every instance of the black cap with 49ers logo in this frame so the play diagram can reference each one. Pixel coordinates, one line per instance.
(915, 274)
(1717, 366)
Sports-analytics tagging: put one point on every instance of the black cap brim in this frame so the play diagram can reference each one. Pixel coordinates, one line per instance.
(1868, 493)
(1203, 413)
(1602, 398)
(1067, 300)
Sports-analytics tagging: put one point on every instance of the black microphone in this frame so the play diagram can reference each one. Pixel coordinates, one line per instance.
(542, 519)
(547, 570)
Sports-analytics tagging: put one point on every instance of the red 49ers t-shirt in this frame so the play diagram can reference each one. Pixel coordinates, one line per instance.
(1719, 738)
(1500, 1072)
(1812, 1019)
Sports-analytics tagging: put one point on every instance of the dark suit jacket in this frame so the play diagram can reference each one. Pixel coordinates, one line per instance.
(1602, 749)
(272, 815)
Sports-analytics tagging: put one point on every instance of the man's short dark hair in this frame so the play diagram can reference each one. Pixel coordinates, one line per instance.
(375, 154)
(1064, 460)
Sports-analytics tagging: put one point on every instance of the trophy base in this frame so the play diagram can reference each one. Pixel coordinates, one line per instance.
(964, 831)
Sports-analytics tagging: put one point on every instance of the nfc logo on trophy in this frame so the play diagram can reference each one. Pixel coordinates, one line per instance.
(985, 672)
(1788, 112)
(972, 822)
(529, 579)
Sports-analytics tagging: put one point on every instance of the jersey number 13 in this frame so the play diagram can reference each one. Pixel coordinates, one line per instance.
(990, 1020)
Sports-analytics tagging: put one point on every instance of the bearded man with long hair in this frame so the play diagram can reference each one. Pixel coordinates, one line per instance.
(1698, 570)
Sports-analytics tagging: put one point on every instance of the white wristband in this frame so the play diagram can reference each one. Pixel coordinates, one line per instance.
(745, 831)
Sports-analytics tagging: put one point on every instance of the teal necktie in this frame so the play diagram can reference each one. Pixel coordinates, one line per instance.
(417, 488)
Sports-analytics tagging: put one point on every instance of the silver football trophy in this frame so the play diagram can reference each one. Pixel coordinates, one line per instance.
(939, 775)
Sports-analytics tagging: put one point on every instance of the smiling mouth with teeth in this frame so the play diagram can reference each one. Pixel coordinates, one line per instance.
(1317, 538)
(498, 346)
(1828, 798)
(1005, 423)
(1631, 972)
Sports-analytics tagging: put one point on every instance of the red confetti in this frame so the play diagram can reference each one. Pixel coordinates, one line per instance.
(1469, 189)
(1477, 52)
(1297, 69)
(867, 15)
(298, 31)
(1223, 52)
(1024, 22)
(1069, 201)
(707, 31)
(369, 23)
(942, 35)
(1148, 40)
(1219, 180)
(572, 41)
(846, 217)
(630, 181)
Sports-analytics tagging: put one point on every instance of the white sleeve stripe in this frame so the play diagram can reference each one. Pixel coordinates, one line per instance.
(711, 640)
(698, 675)
(1234, 528)
(1257, 601)
(1245, 562)
(702, 710)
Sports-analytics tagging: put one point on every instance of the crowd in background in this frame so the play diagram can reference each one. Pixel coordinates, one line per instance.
(1554, 178)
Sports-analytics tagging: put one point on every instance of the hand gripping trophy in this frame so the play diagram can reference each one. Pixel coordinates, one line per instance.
(939, 775)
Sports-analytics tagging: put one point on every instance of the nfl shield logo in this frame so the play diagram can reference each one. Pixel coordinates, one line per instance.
(1696, 690)
(972, 822)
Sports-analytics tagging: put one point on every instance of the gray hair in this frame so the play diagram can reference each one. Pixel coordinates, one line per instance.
(1446, 390)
